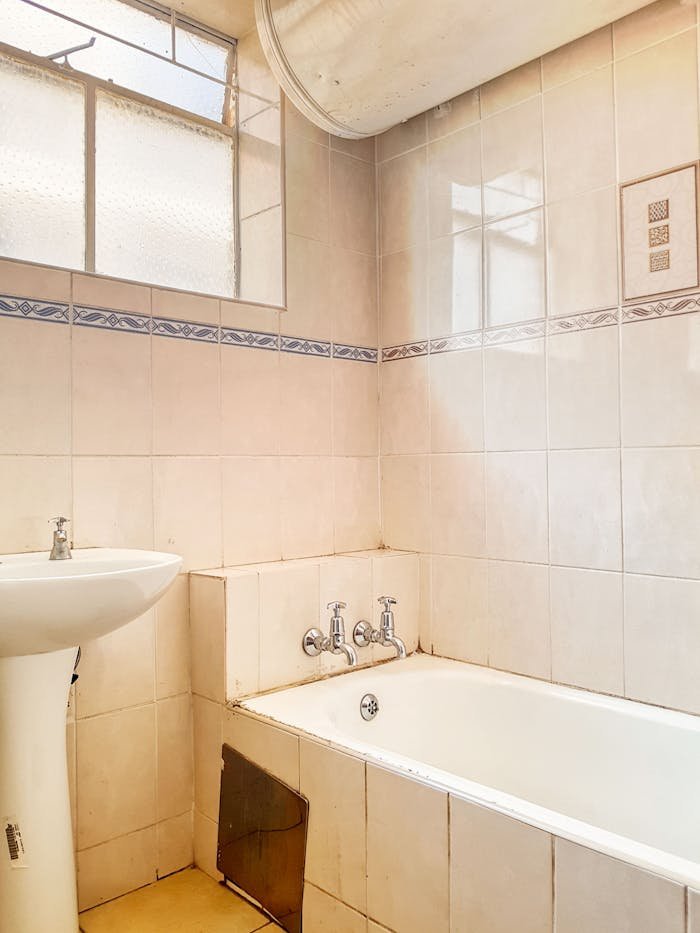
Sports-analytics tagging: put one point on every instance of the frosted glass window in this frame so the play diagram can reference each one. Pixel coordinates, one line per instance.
(163, 198)
(42, 166)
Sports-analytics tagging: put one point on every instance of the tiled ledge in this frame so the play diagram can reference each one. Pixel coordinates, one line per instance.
(122, 322)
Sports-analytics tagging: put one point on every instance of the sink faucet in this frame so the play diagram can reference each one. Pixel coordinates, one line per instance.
(61, 547)
(315, 641)
(364, 635)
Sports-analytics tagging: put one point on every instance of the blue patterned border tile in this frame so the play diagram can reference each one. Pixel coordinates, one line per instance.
(111, 320)
(498, 335)
(185, 330)
(304, 346)
(405, 350)
(259, 340)
(463, 341)
(666, 307)
(31, 309)
(343, 351)
(590, 319)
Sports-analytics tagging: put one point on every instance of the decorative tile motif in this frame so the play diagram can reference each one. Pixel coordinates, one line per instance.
(419, 348)
(499, 335)
(660, 260)
(29, 309)
(586, 321)
(258, 340)
(342, 351)
(463, 341)
(111, 320)
(658, 210)
(185, 330)
(659, 236)
(668, 307)
(304, 346)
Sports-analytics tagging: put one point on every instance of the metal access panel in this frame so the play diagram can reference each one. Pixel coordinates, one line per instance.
(262, 838)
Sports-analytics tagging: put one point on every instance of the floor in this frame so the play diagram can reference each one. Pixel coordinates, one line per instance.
(188, 902)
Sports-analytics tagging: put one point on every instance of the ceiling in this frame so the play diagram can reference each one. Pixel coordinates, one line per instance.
(232, 17)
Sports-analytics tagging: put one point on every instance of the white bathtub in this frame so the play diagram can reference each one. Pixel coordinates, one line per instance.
(619, 777)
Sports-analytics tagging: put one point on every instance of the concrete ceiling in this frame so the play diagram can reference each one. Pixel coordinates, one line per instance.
(232, 17)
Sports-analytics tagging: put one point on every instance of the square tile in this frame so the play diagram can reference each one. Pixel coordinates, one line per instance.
(404, 418)
(454, 182)
(403, 199)
(251, 509)
(406, 502)
(516, 506)
(512, 175)
(457, 492)
(456, 402)
(518, 606)
(514, 385)
(460, 609)
(454, 283)
(514, 269)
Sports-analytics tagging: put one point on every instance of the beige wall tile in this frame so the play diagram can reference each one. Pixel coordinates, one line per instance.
(353, 204)
(583, 389)
(454, 283)
(404, 416)
(262, 261)
(102, 292)
(111, 374)
(417, 897)
(358, 148)
(597, 894)
(404, 296)
(175, 844)
(34, 489)
(289, 597)
(208, 636)
(307, 530)
(273, 749)
(582, 253)
(250, 401)
(516, 506)
(584, 509)
(460, 608)
(251, 509)
(511, 88)
(512, 175)
(116, 867)
(578, 57)
(173, 640)
(296, 124)
(113, 502)
(406, 502)
(249, 316)
(116, 670)
(24, 280)
(205, 841)
(186, 397)
(661, 641)
(457, 496)
(518, 601)
(189, 525)
(305, 411)
(207, 731)
(242, 635)
(652, 23)
(454, 182)
(514, 384)
(456, 402)
(693, 911)
(661, 382)
(175, 756)
(657, 88)
(500, 872)
(402, 137)
(586, 621)
(184, 306)
(354, 297)
(355, 409)
(308, 183)
(119, 751)
(514, 269)
(454, 114)
(403, 201)
(35, 387)
(356, 503)
(579, 134)
(661, 511)
(323, 914)
(336, 848)
(309, 309)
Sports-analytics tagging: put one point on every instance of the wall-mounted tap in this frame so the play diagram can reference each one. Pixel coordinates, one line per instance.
(315, 641)
(364, 635)
(61, 547)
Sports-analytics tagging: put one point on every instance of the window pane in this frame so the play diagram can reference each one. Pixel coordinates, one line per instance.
(120, 19)
(204, 54)
(42, 166)
(164, 199)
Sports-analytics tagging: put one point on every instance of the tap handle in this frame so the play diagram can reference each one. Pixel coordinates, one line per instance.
(388, 602)
(336, 606)
(60, 522)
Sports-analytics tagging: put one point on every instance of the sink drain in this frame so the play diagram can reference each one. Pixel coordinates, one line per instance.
(369, 706)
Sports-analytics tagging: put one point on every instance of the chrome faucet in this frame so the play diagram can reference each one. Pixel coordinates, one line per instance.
(61, 547)
(315, 641)
(364, 635)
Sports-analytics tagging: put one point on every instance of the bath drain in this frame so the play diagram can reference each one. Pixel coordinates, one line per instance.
(369, 706)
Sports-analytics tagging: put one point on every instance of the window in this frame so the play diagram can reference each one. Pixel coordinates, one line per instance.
(117, 142)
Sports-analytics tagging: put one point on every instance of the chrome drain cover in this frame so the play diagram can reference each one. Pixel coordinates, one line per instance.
(369, 706)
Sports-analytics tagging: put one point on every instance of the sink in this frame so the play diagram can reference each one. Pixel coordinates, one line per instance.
(47, 605)
(47, 608)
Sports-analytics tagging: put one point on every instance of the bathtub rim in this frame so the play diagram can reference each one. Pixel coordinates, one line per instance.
(640, 855)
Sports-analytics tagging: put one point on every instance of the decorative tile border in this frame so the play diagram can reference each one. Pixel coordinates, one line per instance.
(586, 321)
(344, 351)
(465, 341)
(494, 336)
(404, 350)
(666, 307)
(33, 310)
(305, 346)
(257, 340)
(185, 330)
(105, 319)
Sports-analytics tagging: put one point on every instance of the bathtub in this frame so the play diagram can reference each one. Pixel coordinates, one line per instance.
(616, 776)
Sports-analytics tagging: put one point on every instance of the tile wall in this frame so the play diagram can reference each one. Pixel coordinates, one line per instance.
(540, 440)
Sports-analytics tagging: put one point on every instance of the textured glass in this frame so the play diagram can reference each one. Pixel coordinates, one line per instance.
(146, 29)
(42, 33)
(201, 52)
(42, 166)
(164, 199)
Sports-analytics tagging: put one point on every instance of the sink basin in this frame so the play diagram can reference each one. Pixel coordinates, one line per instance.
(48, 605)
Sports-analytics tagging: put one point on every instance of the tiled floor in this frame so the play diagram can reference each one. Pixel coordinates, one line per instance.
(188, 902)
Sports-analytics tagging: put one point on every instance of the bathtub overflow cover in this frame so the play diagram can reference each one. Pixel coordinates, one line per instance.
(369, 706)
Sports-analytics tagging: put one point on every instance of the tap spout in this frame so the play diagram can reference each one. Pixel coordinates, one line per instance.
(396, 643)
(348, 651)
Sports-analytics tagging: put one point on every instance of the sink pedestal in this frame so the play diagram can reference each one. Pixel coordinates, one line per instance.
(37, 889)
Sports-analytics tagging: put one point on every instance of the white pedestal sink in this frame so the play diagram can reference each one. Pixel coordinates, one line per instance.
(46, 609)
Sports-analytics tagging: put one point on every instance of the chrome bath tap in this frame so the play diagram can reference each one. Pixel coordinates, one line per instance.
(364, 635)
(315, 641)
(61, 546)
